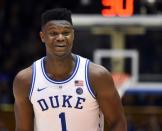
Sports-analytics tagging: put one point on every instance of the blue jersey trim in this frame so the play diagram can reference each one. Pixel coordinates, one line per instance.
(61, 81)
(90, 89)
(33, 80)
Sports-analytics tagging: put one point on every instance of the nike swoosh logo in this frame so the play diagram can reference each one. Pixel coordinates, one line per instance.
(40, 89)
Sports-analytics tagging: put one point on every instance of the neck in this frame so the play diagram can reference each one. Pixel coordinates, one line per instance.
(59, 68)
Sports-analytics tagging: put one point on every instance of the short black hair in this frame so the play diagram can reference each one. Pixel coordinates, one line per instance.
(56, 14)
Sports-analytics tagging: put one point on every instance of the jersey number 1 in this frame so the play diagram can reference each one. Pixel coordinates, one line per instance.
(63, 121)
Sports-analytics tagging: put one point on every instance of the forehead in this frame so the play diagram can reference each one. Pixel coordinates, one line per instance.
(58, 24)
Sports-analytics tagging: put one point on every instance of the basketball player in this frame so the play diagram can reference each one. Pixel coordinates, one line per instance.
(64, 91)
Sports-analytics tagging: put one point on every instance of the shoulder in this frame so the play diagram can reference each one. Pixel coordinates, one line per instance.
(100, 78)
(24, 76)
(22, 81)
(98, 71)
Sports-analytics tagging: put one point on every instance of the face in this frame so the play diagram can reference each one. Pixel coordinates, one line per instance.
(58, 36)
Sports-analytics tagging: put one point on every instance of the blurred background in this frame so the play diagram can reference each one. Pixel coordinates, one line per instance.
(123, 35)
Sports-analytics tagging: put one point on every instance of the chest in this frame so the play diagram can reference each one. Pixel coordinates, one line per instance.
(72, 95)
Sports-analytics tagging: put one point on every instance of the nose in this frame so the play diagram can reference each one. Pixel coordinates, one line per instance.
(60, 37)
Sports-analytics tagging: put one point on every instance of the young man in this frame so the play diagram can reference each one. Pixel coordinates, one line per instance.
(64, 91)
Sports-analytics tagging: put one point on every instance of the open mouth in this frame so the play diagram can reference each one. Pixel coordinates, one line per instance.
(60, 45)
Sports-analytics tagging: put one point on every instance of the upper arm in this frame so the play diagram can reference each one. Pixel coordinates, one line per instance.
(22, 106)
(107, 96)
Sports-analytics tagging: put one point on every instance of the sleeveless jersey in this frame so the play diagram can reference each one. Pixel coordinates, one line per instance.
(68, 105)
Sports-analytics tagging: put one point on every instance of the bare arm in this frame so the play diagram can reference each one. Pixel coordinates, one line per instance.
(22, 106)
(107, 97)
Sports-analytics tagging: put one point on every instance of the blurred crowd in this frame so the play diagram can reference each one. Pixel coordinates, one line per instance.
(143, 110)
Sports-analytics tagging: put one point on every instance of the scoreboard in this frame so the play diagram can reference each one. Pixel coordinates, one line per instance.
(117, 7)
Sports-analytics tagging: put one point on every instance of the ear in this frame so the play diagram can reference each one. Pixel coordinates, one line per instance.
(41, 36)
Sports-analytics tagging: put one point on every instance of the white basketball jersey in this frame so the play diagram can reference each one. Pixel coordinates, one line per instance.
(68, 105)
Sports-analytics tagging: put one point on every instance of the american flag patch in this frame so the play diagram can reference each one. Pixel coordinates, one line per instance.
(78, 82)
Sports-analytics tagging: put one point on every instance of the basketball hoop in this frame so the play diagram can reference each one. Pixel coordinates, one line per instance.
(122, 82)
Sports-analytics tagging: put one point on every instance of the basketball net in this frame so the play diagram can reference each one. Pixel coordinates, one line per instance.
(122, 82)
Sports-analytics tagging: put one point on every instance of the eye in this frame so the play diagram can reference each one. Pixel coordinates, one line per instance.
(66, 33)
(53, 33)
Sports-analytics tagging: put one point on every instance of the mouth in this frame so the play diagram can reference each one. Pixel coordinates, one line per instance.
(60, 45)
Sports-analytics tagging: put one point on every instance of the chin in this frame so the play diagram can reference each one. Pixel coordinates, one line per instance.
(62, 54)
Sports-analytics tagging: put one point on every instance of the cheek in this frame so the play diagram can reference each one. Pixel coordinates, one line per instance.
(48, 42)
(72, 38)
(49, 39)
(70, 41)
